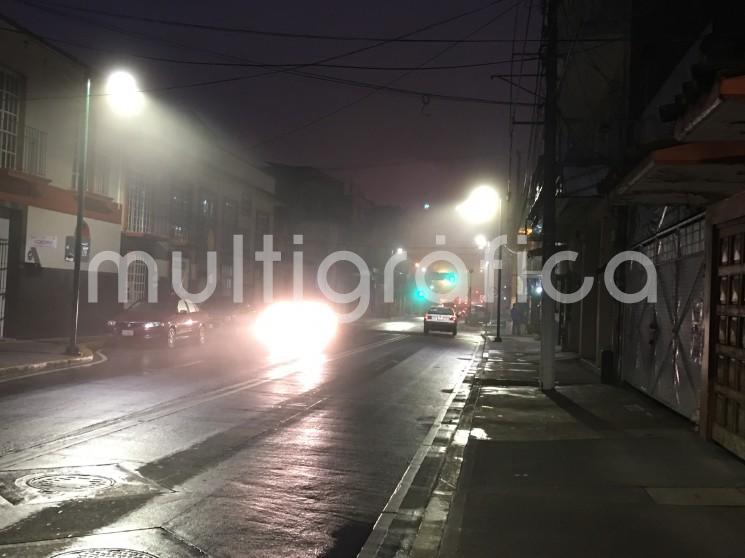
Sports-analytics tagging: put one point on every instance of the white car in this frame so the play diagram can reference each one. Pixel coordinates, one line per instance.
(441, 318)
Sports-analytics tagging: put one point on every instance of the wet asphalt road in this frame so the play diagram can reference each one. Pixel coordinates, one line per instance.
(216, 451)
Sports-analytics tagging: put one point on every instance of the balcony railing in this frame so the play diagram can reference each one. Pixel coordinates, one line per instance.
(34, 152)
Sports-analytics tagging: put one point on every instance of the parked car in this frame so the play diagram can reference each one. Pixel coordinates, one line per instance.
(478, 315)
(441, 318)
(168, 320)
(224, 313)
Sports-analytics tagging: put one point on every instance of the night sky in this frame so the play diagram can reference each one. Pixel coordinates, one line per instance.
(394, 148)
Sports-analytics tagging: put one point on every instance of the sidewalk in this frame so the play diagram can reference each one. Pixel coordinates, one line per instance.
(588, 471)
(20, 357)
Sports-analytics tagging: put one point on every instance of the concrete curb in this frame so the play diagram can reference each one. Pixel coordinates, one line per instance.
(431, 535)
(400, 523)
(20, 370)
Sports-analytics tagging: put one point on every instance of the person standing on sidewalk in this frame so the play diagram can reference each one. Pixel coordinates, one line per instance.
(516, 316)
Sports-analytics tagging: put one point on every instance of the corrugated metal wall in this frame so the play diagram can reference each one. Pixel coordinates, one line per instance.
(663, 341)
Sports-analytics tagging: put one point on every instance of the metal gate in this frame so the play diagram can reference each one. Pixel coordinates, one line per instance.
(3, 282)
(662, 342)
(727, 362)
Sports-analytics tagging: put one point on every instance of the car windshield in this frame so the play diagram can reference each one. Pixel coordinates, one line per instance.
(441, 310)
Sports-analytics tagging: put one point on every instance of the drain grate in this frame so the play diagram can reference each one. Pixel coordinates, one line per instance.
(63, 483)
(105, 553)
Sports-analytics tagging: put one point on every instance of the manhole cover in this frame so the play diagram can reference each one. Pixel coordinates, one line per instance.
(73, 482)
(105, 553)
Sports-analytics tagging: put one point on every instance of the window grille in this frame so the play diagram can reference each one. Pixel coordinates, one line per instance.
(136, 282)
(10, 106)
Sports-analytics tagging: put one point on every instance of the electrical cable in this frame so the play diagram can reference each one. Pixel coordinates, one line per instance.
(266, 33)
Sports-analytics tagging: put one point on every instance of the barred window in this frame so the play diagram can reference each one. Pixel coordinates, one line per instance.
(263, 227)
(685, 241)
(229, 223)
(10, 106)
(180, 213)
(136, 282)
(139, 206)
(207, 207)
(102, 178)
(692, 238)
(246, 203)
(226, 279)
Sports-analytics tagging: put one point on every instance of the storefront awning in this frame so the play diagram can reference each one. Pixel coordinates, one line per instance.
(718, 116)
(690, 174)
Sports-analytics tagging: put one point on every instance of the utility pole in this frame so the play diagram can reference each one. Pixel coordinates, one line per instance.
(498, 336)
(72, 347)
(548, 325)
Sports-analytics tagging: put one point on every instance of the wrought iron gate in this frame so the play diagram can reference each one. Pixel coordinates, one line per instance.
(662, 342)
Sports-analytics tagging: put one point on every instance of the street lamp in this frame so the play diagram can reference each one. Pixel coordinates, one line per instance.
(125, 99)
(482, 206)
(480, 241)
(122, 94)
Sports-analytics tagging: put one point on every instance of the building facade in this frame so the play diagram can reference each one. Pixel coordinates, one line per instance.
(651, 158)
(159, 182)
(41, 109)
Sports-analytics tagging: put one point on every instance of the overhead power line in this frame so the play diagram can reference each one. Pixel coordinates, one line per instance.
(387, 85)
(264, 65)
(292, 71)
(295, 70)
(274, 33)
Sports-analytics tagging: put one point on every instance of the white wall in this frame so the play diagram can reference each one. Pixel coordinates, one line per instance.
(54, 226)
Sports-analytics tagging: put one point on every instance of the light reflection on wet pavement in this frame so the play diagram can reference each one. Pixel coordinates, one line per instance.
(250, 458)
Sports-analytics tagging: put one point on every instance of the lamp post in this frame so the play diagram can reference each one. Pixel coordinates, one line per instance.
(482, 206)
(498, 336)
(72, 347)
(125, 99)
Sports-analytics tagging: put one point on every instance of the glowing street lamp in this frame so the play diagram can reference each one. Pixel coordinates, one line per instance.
(122, 94)
(480, 241)
(124, 99)
(480, 206)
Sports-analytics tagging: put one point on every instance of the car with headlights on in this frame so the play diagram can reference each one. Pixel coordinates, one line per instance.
(168, 321)
(441, 318)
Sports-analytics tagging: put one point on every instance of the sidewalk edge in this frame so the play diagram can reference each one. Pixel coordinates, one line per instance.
(18, 371)
(438, 441)
(432, 528)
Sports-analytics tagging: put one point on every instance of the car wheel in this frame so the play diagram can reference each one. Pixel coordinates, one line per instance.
(202, 335)
(171, 338)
